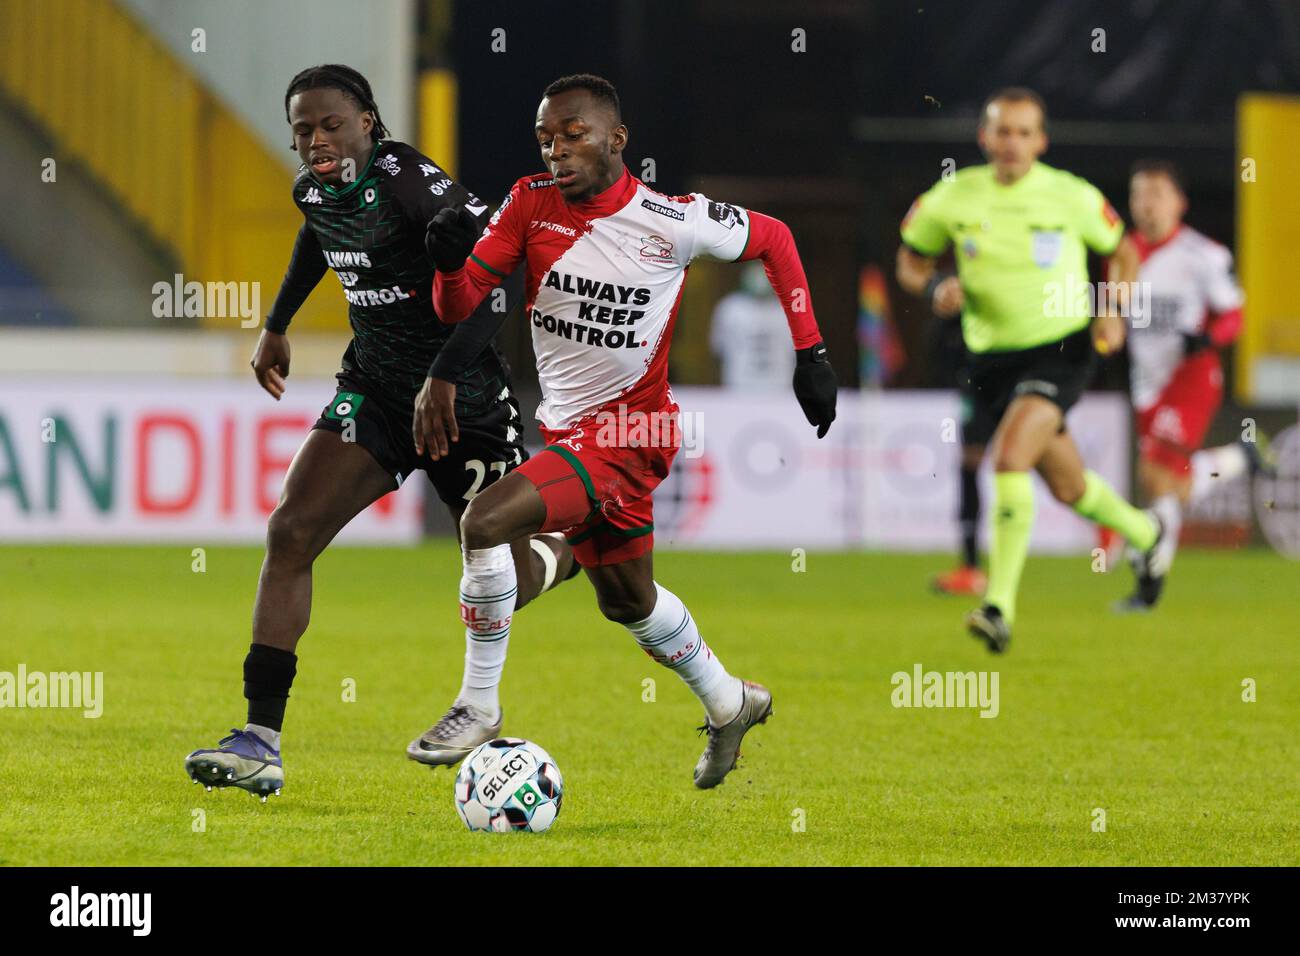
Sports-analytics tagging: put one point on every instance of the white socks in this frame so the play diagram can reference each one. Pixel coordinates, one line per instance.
(270, 736)
(487, 601)
(1170, 510)
(670, 636)
(1213, 466)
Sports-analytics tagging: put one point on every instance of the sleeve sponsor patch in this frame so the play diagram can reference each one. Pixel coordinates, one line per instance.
(724, 213)
(668, 211)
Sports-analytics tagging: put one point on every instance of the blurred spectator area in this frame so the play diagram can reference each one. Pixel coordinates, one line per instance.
(142, 139)
(165, 123)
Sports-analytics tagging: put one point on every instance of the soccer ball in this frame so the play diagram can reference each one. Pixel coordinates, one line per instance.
(509, 784)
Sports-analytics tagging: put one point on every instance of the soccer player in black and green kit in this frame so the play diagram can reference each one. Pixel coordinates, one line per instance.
(413, 394)
(1021, 231)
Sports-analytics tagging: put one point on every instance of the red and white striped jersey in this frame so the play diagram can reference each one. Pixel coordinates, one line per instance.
(1187, 288)
(604, 282)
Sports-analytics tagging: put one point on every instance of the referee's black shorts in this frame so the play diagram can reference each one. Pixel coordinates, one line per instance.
(1058, 371)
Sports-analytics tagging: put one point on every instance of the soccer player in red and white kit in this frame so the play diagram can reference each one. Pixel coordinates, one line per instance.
(606, 263)
(1194, 310)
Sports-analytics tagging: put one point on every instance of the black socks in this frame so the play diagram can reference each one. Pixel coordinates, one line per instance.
(969, 516)
(268, 675)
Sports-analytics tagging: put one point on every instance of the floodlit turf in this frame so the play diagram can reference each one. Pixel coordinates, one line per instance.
(1140, 717)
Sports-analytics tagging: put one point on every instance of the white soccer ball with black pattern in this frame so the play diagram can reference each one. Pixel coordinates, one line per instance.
(509, 784)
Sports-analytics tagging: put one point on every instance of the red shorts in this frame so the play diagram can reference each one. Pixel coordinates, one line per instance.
(1172, 428)
(597, 480)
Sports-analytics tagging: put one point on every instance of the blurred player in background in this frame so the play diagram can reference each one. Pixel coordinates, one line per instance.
(606, 260)
(1021, 231)
(1194, 306)
(748, 333)
(409, 384)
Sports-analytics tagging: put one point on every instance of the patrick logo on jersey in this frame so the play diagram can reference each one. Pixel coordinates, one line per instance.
(606, 314)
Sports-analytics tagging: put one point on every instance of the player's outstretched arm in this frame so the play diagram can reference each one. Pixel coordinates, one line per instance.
(815, 385)
(307, 266)
(433, 423)
(1223, 299)
(458, 288)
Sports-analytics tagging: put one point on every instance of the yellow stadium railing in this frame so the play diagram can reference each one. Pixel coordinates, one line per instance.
(173, 156)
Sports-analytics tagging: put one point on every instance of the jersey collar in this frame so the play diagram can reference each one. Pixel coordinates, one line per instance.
(1145, 247)
(1033, 172)
(348, 187)
(608, 202)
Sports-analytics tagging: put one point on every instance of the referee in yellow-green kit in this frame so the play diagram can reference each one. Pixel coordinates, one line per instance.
(1020, 232)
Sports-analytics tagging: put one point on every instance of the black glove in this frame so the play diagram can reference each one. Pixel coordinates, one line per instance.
(1196, 343)
(815, 386)
(450, 238)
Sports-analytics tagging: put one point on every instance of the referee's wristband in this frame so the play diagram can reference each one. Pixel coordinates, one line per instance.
(933, 285)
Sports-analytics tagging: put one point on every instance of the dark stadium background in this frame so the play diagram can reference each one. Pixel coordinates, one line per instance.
(160, 174)
(840, 140)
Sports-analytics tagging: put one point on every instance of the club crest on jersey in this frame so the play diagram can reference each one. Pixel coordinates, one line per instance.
(1047, 247)
(656, 249)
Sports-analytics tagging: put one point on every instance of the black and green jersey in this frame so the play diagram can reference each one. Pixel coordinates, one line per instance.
(371, 233)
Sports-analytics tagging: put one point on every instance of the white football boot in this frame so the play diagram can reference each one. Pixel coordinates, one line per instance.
(460, 730)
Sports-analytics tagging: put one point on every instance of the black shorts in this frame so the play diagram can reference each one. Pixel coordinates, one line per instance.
(490, 445)
(1058, 371)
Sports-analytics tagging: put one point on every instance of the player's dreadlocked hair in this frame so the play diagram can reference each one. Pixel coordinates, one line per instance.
(597, 86)
(336, 76)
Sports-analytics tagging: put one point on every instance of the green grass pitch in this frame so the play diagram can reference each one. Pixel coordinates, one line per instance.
(1142, 717)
